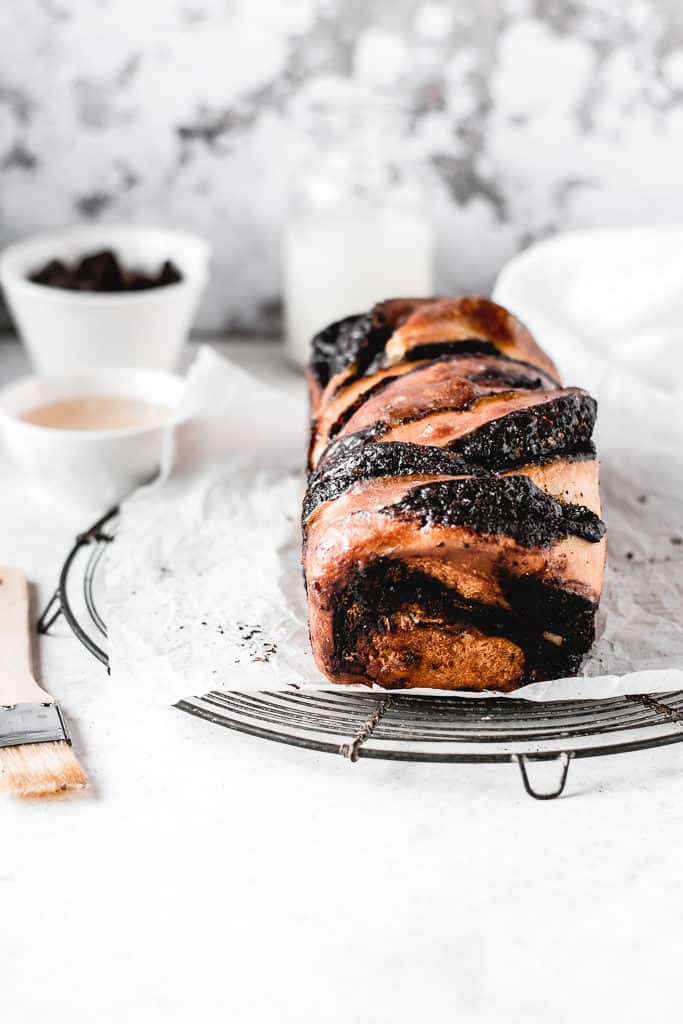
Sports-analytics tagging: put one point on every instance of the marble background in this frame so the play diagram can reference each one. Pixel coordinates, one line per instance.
(531, 116)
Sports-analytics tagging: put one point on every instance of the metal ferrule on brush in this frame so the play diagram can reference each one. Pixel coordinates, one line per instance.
(32, 723)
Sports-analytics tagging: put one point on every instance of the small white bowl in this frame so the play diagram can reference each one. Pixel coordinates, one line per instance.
(88, 467)
(68, 330)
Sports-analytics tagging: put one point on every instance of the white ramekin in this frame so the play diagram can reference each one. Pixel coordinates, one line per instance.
(88, 467)
(67, 330)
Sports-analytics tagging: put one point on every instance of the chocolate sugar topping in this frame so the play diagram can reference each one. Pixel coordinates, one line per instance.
(356, 461)
(561, 424)
(509, 505)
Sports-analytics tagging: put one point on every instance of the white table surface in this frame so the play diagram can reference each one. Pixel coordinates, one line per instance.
(211, 876)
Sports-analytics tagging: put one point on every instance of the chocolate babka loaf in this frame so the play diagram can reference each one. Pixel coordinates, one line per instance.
(452, 531)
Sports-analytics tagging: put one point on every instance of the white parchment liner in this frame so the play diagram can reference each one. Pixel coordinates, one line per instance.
(204, 589)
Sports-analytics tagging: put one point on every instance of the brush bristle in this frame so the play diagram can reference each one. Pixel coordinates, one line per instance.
(40, 769)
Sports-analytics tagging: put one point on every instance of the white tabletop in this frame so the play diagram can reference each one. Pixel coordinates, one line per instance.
(207, 874)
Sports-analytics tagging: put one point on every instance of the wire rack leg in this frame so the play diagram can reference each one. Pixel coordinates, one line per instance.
(564, 759)
(50, 614)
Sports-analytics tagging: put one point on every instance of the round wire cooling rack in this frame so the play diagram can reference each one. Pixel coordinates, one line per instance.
(398, 726)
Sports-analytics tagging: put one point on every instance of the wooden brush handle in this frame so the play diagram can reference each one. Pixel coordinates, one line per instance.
(17, 684)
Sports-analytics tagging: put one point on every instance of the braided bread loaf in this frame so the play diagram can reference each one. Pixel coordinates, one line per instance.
(452, 531)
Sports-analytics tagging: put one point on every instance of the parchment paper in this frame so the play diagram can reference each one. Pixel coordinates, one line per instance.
(205, 590)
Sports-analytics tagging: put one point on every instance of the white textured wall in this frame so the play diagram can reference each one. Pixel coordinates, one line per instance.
(534, 115)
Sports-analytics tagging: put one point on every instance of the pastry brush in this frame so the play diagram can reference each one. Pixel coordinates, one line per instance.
(36, 758)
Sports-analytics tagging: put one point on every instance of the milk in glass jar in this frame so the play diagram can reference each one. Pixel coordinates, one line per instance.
(359, 229)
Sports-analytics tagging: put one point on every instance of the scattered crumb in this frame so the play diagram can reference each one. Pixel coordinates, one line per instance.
(554, 638)
(642, 498)
(677, 540)
(629, 554)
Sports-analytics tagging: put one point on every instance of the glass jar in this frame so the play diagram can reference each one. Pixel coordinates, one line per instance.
(359, 229)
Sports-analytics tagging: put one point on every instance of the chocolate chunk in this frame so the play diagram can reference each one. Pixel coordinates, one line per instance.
(100, 272)
(169, 274)
(55, 273)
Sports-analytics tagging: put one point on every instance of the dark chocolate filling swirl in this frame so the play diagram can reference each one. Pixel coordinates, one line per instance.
(354, 406)
(438, 350)
(515, 378)
(355, 340)
(434, 349)
(561, 424)
(353, 459)
(358, 342)
(539, 616)
(509, 505)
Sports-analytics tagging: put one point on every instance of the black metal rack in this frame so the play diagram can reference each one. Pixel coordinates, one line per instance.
(399, 726)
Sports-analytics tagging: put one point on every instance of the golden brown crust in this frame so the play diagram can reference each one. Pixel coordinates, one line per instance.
(470, 317)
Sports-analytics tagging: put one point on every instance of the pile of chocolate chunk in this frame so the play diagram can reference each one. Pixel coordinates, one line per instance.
(103, 272)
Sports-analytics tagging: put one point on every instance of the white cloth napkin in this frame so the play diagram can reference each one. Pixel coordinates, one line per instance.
(205, 589)
(608, 307)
